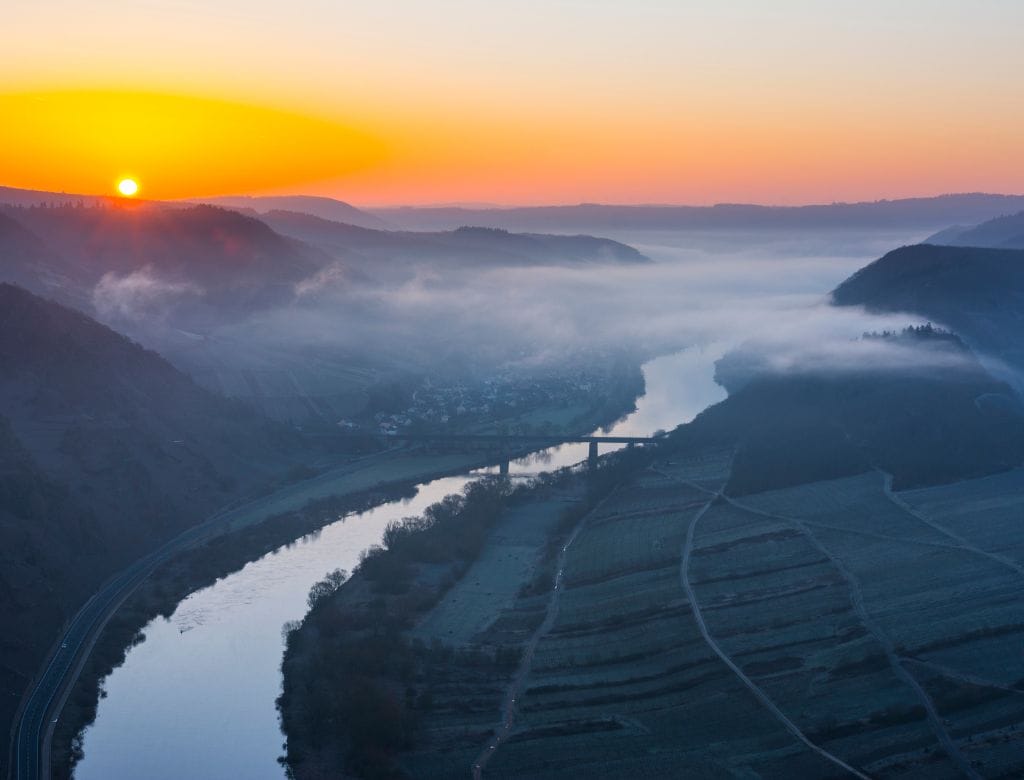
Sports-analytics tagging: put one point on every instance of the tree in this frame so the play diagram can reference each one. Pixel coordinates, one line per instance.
(326, 587)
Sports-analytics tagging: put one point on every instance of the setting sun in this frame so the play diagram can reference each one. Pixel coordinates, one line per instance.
(128, 187)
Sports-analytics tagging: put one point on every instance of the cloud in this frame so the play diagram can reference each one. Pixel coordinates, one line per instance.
(333, 277)
(139, 296)
(766, 292)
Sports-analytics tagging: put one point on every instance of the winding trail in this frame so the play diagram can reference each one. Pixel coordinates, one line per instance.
(884, 537)
(790, 726)
(956, 674)
(961, 542)
(508, 707)
(896, 661)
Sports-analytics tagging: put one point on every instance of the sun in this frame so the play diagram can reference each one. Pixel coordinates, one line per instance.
(128, 187)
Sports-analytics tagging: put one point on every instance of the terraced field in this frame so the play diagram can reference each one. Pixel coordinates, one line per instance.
(832, 629)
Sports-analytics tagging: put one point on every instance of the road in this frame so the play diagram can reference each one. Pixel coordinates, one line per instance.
(30, 752)
(31, 761)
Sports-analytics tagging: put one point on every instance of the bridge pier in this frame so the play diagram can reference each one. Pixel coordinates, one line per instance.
(592, 456)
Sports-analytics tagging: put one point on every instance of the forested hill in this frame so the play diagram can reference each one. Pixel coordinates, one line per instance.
(1006, 232)
(106, 450)
(935, 420)
(977, 292)
(921, 213)
(464, 247)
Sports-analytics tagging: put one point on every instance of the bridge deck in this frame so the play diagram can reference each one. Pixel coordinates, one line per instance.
(526, 438)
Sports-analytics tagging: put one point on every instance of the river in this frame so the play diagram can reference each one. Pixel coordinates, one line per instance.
(197, 698)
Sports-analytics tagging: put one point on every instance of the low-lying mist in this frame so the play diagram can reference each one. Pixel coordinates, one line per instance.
(766, 291)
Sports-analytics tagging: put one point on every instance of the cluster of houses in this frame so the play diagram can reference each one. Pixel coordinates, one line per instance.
(437, 406)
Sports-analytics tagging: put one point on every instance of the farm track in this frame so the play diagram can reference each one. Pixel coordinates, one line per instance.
(961, 542)
(907, 669)
(883, 537)
(970, 679)
(761, 696)
(897, 662)
(515, 688)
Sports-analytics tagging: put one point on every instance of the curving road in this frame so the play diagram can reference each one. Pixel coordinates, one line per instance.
(35, 728)
(30, 754)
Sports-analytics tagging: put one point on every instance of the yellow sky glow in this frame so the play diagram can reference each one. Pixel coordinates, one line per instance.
(515, 101)
(88, 141)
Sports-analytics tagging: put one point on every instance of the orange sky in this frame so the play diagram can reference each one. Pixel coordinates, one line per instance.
(515, 102)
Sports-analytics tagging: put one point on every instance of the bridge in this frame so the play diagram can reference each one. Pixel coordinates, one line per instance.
(507, 441)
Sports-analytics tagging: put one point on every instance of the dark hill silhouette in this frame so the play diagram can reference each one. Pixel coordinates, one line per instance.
(918, 213)
(977, 292)
(25, 259)
(324, 208)
(204, 242)
(218, 260)
(465, 247)
(106, 450)
(1006, 232)
(327, 208)
(14, 196)
(923, 425)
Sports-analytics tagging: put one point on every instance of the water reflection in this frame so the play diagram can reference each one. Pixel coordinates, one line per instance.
(196, 699)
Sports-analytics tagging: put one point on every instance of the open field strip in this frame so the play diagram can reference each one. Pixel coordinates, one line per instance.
(514, 690)
(953, 535)
(986, 511)
(493, 581)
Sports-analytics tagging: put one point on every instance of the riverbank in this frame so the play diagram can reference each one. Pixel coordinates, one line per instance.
(249, 532)
(393, 643)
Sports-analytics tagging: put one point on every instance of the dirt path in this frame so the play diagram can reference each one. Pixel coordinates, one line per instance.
(897, 662)
(684, 576)
(508, 707)
(956, 674)
(961, 542)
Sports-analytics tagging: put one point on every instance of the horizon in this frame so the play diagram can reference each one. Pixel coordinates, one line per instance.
(522, 104)
(479, 206)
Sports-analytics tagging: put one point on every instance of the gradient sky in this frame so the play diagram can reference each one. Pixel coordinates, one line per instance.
(415, 101)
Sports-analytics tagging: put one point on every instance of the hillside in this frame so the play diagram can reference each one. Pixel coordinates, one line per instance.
(937, 418)
(106, 450)
(918, 213)
(26, 260)
(15, 196)
(460, 249)
(211, 261)
(50, 552)
(977, 292)
(831, 629)
(323, 208)
(1006, 232)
